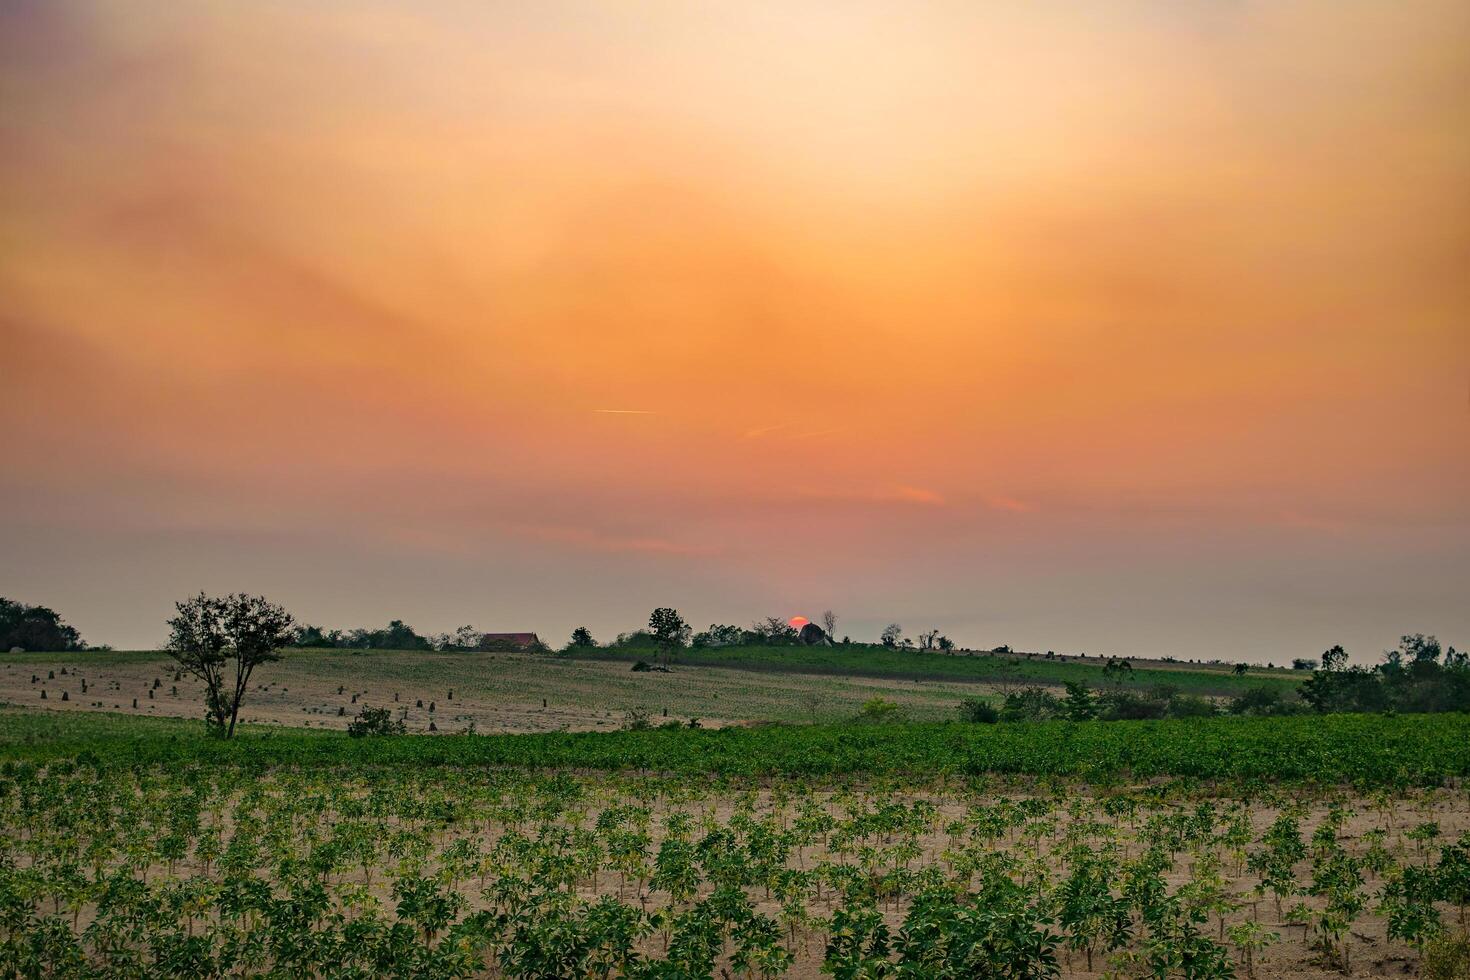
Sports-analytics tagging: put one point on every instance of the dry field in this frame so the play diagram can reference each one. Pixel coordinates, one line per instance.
(496, 692)
(530, 855)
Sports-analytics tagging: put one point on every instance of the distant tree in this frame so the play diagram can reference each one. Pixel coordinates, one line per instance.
(928, 639)
(1240, 669)
(669, 630)
(946, 644)
(1303, 663)
(315, 637)
(221, 640)
(829, 623)
(398, 636)
(374, 721)
(891, 634)
(35, 628)
(1417, 648)
(773, 630)
(582, 637)
(1079, 704)
(1117, 671)
(719, 636)
(1334, 659)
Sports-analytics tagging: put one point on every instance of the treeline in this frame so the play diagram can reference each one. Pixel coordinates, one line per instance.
(398, 635)
(1419, 677)
(24, 627)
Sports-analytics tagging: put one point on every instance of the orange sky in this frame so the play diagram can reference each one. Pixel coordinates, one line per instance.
(1134, 328)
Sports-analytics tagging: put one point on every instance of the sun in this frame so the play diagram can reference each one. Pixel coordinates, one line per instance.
(797, 622)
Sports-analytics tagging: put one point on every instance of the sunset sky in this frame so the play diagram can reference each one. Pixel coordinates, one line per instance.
(1121, 327)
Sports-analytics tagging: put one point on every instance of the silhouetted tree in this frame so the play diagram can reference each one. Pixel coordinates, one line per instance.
(773, 630)
(582, 637)
(891, 634)
(829, 623)
(35, 628)
(669, 631)
(1334, 659)
(210, 634)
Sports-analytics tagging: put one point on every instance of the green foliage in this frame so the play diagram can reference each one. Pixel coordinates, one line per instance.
(148, 850)
(669, 631)
(880, 711)
(1418, 676)
(374, 721)
(1447, 958)
(1362, 750)
(876, 660)
(222, 640)
(978, 711)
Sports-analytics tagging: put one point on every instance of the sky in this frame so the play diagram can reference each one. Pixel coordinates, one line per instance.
(1133, 328)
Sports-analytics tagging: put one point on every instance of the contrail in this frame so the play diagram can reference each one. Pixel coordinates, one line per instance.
(623, 411)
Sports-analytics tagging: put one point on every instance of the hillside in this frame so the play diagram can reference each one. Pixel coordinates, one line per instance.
(1002, 670)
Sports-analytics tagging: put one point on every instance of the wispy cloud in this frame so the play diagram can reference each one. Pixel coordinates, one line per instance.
(592, 539)
(880, 495)
(622, 411)
(759, 431)
(1011, 504)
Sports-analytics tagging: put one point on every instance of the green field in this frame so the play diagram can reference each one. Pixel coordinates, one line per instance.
(870, 660)
(1362, 750)
(1201, 848)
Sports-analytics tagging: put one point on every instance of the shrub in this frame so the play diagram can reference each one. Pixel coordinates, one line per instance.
(1130, 706)
(879, 710)
(1446, 958)
(978, 711)
(1031, 704)
(1190, 706)
(374, 721)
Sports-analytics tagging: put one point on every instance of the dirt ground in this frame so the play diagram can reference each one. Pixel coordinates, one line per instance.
(496, 692)
(1294, 955)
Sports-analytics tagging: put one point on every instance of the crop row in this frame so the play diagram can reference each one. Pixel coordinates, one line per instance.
(1362, 750)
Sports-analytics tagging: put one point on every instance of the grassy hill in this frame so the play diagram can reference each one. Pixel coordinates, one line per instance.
(872, 660)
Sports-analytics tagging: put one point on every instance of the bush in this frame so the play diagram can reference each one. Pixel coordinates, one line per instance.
(1190, 706)
(978, 711)
(1446, 958)
(1031, 704)
(636, 720)
(374, 721)
(1130, 706)
(879, 710)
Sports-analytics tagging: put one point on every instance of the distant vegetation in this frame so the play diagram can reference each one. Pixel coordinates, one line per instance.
(1004, 670)
(397, 635)
(1419, 676)
(1364, 750)
(26, 627)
